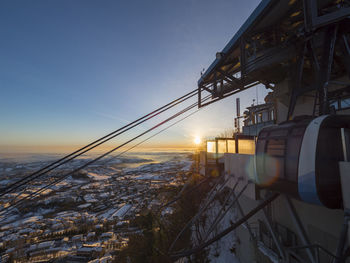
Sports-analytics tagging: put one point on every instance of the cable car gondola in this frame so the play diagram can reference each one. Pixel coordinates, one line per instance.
(300, 158)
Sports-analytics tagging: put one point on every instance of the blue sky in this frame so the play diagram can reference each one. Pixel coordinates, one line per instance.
(72, 71)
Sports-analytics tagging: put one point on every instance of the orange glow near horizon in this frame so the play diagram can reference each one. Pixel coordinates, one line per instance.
(65, 149)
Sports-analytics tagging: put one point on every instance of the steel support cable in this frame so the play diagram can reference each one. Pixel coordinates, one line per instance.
(342, 238)
(295, 256)
(213, 189)
(194, 188)
(177, 197)
(252, 212)
(96, 159)
(247, 225)
(107, 139)
(235, 200)
(195, 217)
(227, 198)
(150, 137)
(33, 194)
(103, 141)
(220, 216)
(148, 116)
(315, 246)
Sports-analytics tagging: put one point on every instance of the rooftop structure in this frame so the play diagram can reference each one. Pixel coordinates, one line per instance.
(295, 48)
(258, 116)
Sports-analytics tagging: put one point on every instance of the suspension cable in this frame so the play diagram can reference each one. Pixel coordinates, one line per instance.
(177, 197)
(36, 193)
(150, 137)
(93, 145)
(221, 216)
(211, 195)
(218, 216)
(252, 212)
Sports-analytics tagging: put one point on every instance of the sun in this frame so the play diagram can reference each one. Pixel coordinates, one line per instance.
(197, 140)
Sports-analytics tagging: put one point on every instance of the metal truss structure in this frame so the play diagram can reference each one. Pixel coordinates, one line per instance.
(283, 249)
(305, 42)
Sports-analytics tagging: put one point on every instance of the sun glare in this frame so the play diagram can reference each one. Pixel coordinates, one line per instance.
(197, 140)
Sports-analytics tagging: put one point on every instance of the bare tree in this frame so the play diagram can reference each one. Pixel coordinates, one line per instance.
(227, 133)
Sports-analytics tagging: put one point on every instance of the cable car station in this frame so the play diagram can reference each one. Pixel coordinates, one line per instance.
(300, 137)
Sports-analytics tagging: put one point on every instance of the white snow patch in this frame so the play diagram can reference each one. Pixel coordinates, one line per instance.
(84, 205)
(219, 251)
(97, 177)
(90, 198)
(167, 211)
(147, 176)
(186, 165)
(268, 252)
(5, 182)
(107, 215)
(122, 211)
(32, 219)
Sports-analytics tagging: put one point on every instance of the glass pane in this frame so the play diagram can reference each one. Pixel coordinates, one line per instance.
(345, 103)
(246, 146)
(276, 147)
(222, 146)
(260, 117)
(231, 146)
(335, 105)
(265, 116)
(211, 147)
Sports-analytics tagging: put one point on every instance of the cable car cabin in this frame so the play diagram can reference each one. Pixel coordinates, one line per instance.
(300, 158)
(214, 161)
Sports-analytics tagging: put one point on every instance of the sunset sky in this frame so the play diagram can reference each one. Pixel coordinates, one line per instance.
(73, 71)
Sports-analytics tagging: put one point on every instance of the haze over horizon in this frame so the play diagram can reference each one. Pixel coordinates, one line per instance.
(73, 71)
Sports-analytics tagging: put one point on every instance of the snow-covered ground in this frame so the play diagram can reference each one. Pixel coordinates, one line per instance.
(223, 249)
(109, 190)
